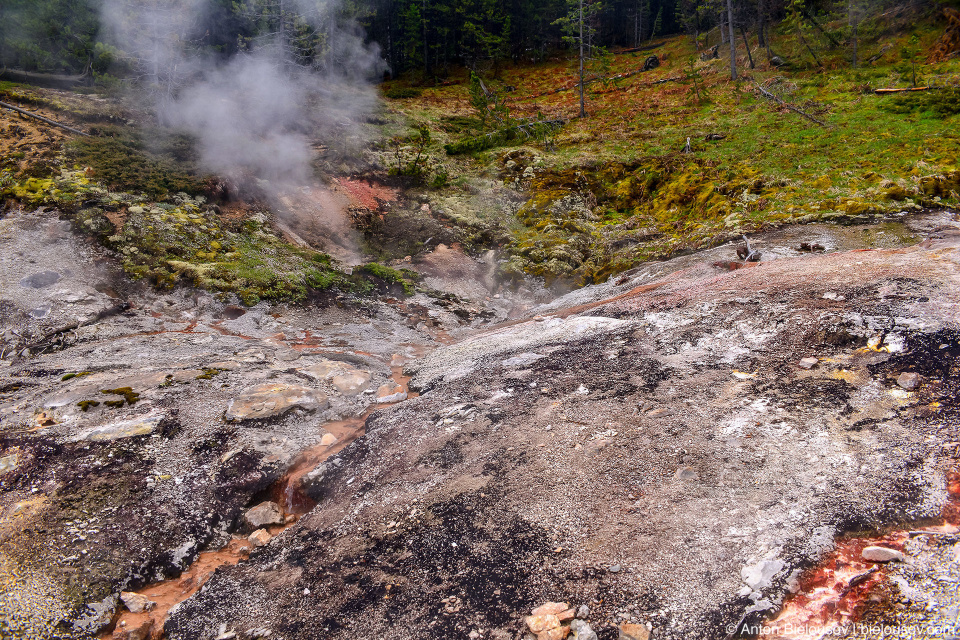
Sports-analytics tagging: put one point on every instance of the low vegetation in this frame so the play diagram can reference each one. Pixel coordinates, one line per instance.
(672, 155)
(680, 157)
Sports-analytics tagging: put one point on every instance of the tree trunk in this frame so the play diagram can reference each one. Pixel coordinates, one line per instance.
(583, 108)
(855, 23)
(426, 50)
(733, 41)
(746, 43)
(856, 29)
(809, 48)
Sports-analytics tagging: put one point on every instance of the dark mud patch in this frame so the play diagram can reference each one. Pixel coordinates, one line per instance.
(458, 568)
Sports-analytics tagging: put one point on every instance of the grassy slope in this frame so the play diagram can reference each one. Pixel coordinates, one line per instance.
(606, 192)
(773, 166)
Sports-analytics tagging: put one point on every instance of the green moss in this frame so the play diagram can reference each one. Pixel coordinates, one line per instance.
(118, 158)
(70, 376)
(392, 276)
(401, 93)
(939, 103)
(87, 404)
(129, 396)
(208, 374)
(585, 224)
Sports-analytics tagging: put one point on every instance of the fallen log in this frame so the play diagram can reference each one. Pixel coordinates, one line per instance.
(769, 96)
(882, 91)
(42, 119)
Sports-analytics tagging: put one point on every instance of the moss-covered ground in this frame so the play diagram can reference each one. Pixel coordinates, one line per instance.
(608, 191)
(152, 207)
(671, 159)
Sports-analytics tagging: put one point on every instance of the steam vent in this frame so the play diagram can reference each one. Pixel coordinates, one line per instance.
(479, 320)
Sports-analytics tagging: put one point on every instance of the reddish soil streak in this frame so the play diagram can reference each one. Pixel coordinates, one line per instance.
(285, 492)
(826, 598)
(171, 592)
(367, 194)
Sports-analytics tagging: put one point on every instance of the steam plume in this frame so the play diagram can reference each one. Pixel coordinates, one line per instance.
(256, 111)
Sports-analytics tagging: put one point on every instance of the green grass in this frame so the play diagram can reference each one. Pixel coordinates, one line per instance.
(877, 154)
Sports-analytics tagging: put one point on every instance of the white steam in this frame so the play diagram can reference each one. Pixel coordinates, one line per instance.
(256, 113)
(245, 115)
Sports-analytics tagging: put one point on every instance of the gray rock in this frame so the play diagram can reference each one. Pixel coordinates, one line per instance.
(142, 426)
(40, 280)
(808, 363)
(267, 400)
(615, 568)
(580, 630)
(909, 381)
(9, 462)
(391, 392)
(881, 554)
(265, 513)
(287, 355)
(583, 611)
(42, 311)
(662, 412)
(711, 54)
(686, 473)
(135, 602)
(259, 538)
(759, 576)
(352, 382)
(323, 370)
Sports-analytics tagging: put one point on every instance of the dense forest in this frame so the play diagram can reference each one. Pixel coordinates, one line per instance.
(423, 36)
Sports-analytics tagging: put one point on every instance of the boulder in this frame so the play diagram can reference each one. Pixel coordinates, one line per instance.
(391, 392)
(352, 382)
(582, 631)
(713, 53)
(909, 381)
(259, 537)
(265, 513)
(268, 400)
(135, 602)
(634, 632)
(881, 554)
(142, 426)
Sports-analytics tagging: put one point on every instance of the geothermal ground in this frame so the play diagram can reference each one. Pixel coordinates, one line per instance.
(700, 448)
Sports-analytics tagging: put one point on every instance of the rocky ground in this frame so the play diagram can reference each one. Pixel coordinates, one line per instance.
(675, 451)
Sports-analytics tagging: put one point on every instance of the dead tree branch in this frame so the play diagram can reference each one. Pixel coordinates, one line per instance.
(769, 96)
(42, 119)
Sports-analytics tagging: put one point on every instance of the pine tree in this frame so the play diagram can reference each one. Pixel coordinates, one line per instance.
(578, 27)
